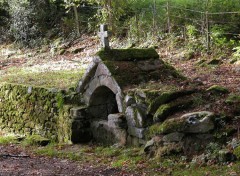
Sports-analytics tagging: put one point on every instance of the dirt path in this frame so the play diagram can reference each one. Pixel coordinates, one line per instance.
(15, 161)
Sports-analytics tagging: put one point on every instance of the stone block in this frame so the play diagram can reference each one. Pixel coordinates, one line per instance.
(173, 137)
(109, 82)
(78, 112)
(102, 70)
(129, 100)
(116, 120)
(136, 116)
(136, 132)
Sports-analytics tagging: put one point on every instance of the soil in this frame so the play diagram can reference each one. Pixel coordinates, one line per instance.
(17, 161)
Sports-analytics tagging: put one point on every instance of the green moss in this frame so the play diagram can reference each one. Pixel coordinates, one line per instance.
(131, 54)
(60, 100)
(35, 140)
(168, 109)
(233, 98)
(237, 152)
(166, 127)
(35, 112)
(218, 89)
(165, 98)
(162, 112)
(9, 139)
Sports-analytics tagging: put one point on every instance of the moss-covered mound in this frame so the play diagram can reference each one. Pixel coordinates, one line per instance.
(131, 54)
(136, 66)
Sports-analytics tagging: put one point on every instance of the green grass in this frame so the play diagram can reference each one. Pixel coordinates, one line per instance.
(57, 79)
(8, 140)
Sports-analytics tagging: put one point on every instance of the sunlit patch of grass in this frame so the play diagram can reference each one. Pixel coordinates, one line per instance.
(52, 150)
(8, 140)
(58, 79)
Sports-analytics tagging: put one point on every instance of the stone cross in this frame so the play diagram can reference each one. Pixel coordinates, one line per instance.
(104, 34)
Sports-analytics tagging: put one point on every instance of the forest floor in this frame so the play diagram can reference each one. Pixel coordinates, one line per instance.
(48, 68)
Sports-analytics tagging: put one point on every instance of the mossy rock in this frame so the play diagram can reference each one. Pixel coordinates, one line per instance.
(131, 54)
(168, 109)
(165, 98)
(197, 122)
(218, 89)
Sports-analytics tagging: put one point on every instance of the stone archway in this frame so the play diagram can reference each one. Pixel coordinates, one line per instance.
(102, 103)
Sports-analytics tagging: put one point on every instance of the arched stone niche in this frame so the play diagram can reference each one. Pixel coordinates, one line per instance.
(98, 81)
(102, 103)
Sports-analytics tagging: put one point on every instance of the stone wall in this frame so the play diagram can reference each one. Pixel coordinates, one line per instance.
(28, 110)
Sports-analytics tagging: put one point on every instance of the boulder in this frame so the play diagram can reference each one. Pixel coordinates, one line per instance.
(196, 122)
(137, 132)
(168, 109)
(116, 120)
(173, 137)
(136, 115)
(217, 89)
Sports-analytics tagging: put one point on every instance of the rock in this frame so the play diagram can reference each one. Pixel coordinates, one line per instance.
(196, 122)
(169, 149)
(217, 89)
(137, 132)
(152, 144)
(78, 112)
(148, 145)
(136, 115)
(165, 98)
(168, 109)
(117, 120)
(173, 137)
(225, 156)
(129, 100)
(106, 134)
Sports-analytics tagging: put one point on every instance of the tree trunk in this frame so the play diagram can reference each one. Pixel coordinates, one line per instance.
(76, 20)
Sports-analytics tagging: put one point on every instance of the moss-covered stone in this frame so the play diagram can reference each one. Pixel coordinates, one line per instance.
(36, 111)
(197, 122)
(165, 98)
(131, 54)
(218, 89)
(168, 109)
